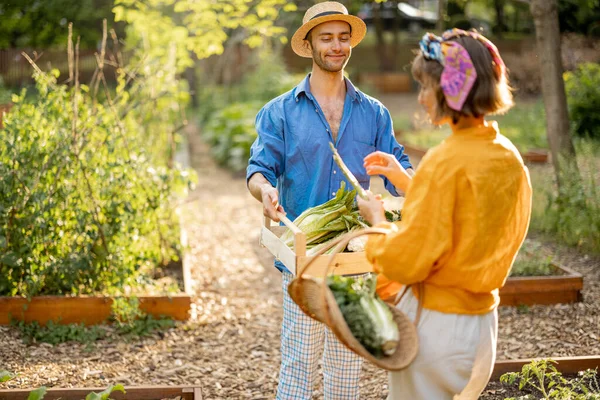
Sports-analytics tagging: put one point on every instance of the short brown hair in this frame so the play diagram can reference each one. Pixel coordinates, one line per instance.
(490, 94)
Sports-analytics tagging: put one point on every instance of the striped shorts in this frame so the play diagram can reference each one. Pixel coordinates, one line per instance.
(303, 342)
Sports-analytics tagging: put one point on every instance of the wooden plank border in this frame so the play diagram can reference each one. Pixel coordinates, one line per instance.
(566, 365)
(530, 290)
(89, 310)
(131, 393)
(539, 156)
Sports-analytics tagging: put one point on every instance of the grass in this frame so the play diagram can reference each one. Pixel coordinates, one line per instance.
(570, 215)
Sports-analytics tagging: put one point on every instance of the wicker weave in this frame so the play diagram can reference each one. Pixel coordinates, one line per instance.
(315, 298)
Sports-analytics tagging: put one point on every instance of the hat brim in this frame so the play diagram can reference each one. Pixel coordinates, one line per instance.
(359, 30)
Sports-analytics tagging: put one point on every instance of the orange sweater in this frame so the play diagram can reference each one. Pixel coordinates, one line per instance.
(465, 217)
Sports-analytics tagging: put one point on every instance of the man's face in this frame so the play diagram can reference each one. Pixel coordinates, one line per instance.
(330, 45)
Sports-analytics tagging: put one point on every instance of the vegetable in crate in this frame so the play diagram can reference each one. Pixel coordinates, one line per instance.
(368, 317)
(328, 220)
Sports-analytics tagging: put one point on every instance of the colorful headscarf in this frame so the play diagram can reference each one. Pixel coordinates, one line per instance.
(459, 74)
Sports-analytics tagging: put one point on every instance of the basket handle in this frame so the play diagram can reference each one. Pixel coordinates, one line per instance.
(340, 244)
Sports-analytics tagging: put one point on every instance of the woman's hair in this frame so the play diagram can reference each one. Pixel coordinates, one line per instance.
(490, 94)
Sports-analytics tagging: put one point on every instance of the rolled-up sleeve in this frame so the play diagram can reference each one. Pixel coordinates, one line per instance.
(414, 247)
(267, 151)
(386, 142)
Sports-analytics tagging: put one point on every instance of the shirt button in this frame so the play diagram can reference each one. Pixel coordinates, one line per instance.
(335, 172)
(333, 194)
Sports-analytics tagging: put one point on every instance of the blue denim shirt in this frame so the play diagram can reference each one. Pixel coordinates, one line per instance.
(292, 148)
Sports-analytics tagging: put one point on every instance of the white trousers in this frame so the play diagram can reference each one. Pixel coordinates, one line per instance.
(455, 359)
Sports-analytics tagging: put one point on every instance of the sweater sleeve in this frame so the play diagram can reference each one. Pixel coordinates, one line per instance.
(415, 245)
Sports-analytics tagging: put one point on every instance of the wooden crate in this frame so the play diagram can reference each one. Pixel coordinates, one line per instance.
(131, 393)
(296, 259)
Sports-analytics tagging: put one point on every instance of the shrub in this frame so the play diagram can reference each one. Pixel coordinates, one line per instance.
(584, 99)
(230, 132)
(87, 202)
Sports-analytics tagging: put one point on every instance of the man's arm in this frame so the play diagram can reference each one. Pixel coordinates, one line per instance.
(262, 190)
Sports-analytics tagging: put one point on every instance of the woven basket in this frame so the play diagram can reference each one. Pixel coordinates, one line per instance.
(315, 298)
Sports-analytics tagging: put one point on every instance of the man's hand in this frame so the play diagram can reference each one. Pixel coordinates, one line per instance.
(270, 200)
(372, 209)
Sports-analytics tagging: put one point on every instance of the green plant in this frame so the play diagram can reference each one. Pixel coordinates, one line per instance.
(530, 262)
(88, 189)
(584, 99)
(54, 333)
(40, 393)
(6, 376)
(129, 320)
(543, 377)
(367, 316)
(230, 132)
(570, 213)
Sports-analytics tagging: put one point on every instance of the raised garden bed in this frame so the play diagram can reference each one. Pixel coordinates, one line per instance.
(566, 365)
(131, 393)
(89, 310)
(565, 287)
(531, 156)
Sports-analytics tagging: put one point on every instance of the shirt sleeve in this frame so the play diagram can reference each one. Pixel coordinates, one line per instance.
(267, 151)
(415, 245)
(386, 142)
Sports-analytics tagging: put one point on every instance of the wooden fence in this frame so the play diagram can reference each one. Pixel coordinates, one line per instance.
(16, 71)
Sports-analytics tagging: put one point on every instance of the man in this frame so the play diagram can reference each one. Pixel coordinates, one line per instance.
(291, 168)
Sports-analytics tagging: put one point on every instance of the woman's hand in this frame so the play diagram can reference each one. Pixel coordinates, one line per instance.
(380, 163)
(372, 209)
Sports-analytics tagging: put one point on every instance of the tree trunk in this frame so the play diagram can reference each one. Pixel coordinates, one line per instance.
(441, 15)
(500, 24)
(384, 61)
(547, 34)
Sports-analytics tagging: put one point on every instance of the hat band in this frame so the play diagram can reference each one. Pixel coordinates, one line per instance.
(326, 13)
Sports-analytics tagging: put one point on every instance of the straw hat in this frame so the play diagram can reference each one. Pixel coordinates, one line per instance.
(325, 12)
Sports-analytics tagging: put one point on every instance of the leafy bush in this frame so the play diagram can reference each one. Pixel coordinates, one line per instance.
(571, 213)
(87, 201)
(584, 99)
(230, 132)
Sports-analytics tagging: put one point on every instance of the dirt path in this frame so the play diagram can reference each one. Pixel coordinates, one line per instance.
(231, 346)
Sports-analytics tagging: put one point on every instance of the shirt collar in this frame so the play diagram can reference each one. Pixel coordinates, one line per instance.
(304, 87)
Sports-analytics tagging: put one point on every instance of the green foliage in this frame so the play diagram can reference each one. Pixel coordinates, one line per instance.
(572, 213)
(584, 99)
(103, 395)
(369, 319)
(543, 377)
(43, 24)
(130, 321)
(37, 394)
(55, 333)
(5, 94)
(89, 194)
(230, 132)
(170, 29)
(6, 376)
(530, 261)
